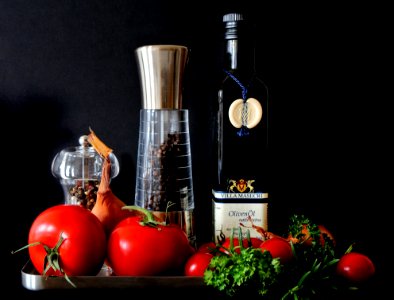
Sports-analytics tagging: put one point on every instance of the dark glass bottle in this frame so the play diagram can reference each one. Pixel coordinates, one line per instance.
(240, 190)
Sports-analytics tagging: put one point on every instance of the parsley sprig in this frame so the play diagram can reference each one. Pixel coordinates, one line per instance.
(311, 275)
(249, 269)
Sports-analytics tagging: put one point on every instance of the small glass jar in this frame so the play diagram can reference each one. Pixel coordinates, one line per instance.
(79, 172)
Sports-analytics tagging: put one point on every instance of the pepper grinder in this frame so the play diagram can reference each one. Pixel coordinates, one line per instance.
(164, 181)
(79, 172)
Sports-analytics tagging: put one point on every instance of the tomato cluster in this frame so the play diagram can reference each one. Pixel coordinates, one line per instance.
(69, 240)
(353, 266)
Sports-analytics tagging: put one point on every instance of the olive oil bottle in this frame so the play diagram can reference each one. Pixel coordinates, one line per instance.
(240, 188)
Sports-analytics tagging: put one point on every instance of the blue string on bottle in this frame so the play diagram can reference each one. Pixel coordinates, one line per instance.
(243, 131)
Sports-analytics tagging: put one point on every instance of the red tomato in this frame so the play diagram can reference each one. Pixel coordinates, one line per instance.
(255, 242)
(137, 250)
(355, 267)
(278, 247)
(83, 249)
(197, 264)
(206, 247)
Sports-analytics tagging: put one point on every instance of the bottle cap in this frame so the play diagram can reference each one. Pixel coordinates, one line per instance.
(231, 25)
(233, 17)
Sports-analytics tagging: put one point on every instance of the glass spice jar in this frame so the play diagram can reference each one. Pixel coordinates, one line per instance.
(79, 172)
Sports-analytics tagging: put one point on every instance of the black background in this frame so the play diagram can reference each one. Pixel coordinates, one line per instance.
(66, 66)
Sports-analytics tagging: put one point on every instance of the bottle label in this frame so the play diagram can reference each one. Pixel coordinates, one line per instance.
(239, 211)
(235, 197)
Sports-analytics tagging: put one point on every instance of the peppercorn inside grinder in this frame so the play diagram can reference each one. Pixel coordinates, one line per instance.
(164, 182)
(79, 172)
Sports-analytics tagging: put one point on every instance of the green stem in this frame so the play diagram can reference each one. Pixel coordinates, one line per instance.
(52, 257)
(25, 247)
(148, 220)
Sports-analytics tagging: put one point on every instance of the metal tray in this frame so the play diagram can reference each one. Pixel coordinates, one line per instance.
(31, 280)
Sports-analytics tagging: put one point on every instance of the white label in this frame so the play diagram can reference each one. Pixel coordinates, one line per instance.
(229, 216)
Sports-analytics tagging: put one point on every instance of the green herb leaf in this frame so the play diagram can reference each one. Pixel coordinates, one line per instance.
(250, 268)
(310, 275)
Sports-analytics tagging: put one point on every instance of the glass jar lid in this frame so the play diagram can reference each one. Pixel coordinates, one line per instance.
(81, 162)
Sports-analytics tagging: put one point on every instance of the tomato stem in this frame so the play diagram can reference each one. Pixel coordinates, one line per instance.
(25, 247)
(52, 258)
(148, 219)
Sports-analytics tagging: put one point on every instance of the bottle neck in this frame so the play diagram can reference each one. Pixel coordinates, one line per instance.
(240, 54)
(232, 52)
